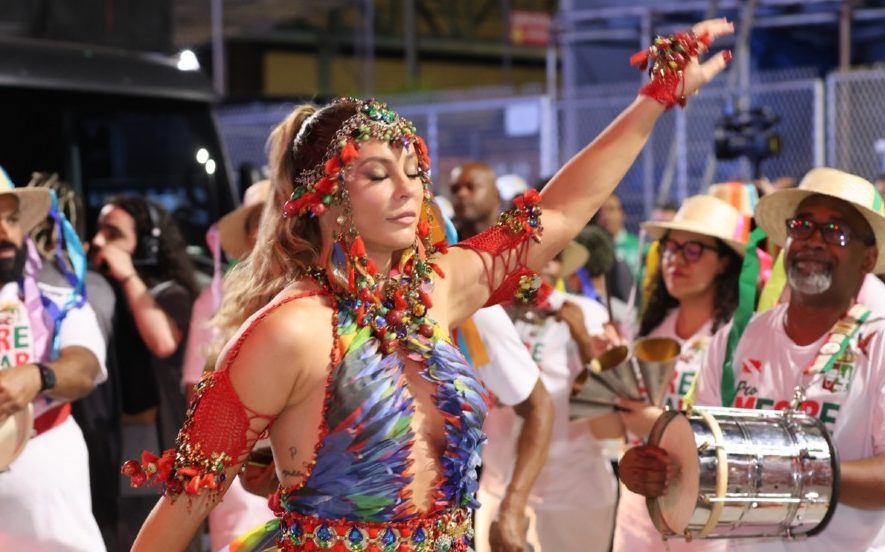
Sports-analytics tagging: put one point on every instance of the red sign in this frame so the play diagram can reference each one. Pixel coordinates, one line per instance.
(529, 28)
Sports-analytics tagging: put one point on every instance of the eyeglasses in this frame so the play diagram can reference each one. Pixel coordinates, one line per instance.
(833, 233)
(691, 251)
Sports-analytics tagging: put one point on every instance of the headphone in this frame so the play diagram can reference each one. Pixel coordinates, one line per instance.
(147, 250)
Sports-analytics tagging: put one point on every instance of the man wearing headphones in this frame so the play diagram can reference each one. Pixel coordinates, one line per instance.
(140, 249)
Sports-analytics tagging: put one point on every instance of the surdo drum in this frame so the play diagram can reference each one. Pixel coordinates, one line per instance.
(745, 473)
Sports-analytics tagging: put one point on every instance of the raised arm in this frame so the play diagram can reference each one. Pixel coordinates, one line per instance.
(575, 193)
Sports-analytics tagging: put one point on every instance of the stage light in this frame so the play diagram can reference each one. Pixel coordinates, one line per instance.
(187, 61)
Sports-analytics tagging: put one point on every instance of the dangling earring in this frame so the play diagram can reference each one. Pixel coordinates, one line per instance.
(341, 264)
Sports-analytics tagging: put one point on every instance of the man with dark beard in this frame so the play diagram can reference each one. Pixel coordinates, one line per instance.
(821, 343)
(44, 494)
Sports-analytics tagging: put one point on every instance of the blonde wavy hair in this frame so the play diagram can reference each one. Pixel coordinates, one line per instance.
(284, 248)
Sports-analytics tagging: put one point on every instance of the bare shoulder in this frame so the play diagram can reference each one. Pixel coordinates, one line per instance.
(282, 352)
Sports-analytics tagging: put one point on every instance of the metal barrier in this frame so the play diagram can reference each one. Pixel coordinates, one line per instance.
(531, 136)
(680, 153)
(514, 135)
(856, 122)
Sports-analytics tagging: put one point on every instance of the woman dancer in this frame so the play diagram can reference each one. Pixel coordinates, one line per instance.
(343, 355)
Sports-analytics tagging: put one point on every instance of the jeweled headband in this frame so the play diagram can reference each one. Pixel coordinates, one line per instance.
(323, 185)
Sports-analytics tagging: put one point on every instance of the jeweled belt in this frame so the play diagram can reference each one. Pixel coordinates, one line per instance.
(449, 531)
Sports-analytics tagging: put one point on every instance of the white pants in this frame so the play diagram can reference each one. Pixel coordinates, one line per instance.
(557, 528)
(45, 502)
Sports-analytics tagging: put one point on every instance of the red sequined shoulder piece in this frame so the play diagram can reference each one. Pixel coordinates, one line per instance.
(506, 244)
(218, 433)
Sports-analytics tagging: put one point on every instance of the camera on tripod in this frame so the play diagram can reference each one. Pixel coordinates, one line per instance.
(748, 133)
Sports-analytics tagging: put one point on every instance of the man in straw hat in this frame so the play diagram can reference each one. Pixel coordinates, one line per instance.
(822, 342)
(44, 493)
(237, 231)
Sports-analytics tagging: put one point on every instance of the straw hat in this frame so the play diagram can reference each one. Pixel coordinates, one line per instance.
(33, 203)
(573, 257)
(709, 216)
(232, 226)
(774, 209)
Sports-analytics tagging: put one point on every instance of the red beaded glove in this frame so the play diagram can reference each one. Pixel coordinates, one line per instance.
(665, 61)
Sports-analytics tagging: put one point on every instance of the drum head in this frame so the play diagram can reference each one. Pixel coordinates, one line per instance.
(672, 512)
(14, 434)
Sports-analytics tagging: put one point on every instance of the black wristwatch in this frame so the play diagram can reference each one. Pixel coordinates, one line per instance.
(47, 377)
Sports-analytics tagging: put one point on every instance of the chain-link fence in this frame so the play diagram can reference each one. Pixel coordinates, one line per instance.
(514, 135)
(245, 130)
(679, 161)
(530, 137)
(856, 122)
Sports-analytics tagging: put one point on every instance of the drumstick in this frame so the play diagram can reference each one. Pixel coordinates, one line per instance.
(608, 298)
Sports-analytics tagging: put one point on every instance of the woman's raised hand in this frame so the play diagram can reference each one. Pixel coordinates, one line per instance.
(697, 73)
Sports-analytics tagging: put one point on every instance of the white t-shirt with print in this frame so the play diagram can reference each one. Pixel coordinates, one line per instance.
(79, 328)
(849, 400)
(510, 374)
(634, 529)
(576, 470)
(690, 357)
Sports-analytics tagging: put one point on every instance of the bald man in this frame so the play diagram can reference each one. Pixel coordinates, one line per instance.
(475, 198)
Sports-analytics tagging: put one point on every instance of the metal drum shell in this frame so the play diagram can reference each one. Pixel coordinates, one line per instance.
(782, 474)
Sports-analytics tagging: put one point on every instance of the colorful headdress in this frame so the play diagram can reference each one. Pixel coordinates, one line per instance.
(323, 185)
(391, 305)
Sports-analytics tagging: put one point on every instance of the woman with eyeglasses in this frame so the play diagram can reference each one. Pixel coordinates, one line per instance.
(693, 294)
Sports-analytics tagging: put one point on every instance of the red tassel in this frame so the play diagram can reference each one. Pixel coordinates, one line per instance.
(324, 186)
(425, 298)
(442, 246)
(640, 59)
(349, 153)
(357, 247)
(209, 482)
(421, 150)
(165, 464)
(423, 228)
(438, 270)
(333, 166)
(398, 301)
(148, 458)
(193, 486)
(371, 267)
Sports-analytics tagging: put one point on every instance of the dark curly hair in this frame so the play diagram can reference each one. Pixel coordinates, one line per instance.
(660, 302)
(174, 262)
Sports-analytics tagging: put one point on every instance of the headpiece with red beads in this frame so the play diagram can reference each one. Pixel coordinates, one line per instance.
(323, 185)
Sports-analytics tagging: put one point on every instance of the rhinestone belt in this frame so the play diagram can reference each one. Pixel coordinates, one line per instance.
(449, 531)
